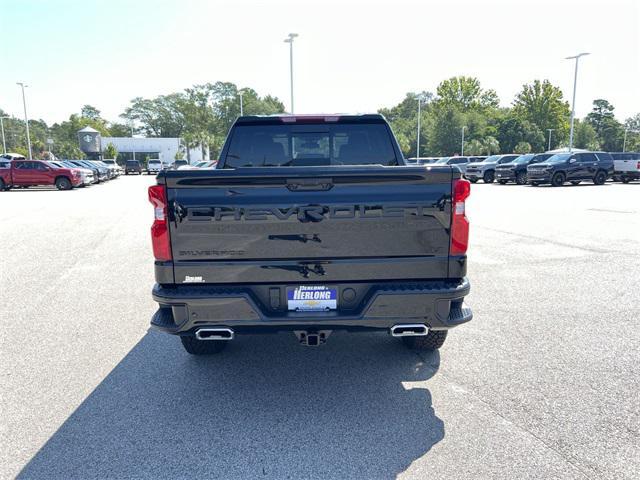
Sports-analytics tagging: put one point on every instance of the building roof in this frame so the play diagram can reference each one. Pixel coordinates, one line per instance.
(88, 129)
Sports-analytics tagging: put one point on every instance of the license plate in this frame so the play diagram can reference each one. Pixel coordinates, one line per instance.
(312, 298)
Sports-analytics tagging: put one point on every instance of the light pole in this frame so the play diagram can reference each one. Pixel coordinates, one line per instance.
(550, 130)
(462, 147)
(573, 105)
(241, 109)
(289, 40)
(420, 100)
(133, 145)
(26, 118)
(4, 142)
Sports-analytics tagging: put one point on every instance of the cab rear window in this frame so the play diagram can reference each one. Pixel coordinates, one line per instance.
(310, 145)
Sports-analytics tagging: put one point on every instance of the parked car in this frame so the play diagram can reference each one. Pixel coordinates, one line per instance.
(254, 263)
(100, 171)
(195, 166)
(132, 166)
(516, 170)
(111, 162)
(114, 171)
(154, 166)
(76, 164)
(30, 173)
(626, 166)
(461, 162)
(572, 167)
(12, 156)
(177, 164)
(111, 172)
(87, 174)
(422, 160)
(485, 170)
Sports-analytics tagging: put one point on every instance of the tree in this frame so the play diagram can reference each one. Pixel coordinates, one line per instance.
(542, 105)
(110, 151)
(162, 116)
(403, 119)
(445, 132)
(474, 147)
(491, 146)
(522, 148)
(465, 93)
(609, 131)
(585, 136)
(514, 130)
(632, 125)
(90, 112)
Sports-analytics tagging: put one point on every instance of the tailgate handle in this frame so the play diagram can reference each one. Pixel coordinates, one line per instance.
(309, 184)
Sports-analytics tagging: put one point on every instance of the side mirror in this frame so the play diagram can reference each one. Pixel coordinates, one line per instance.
(572, 160)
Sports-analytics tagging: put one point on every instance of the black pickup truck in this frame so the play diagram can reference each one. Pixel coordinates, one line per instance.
(310, 224)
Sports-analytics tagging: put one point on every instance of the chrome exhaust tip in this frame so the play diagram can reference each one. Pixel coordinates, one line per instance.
(409, 330)
(214, 334)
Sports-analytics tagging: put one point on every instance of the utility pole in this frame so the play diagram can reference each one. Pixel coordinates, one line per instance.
(550, 130)
(624, 143)
(289, 40)
(26, 118)
(420, 99)
(573, 105)
(4, 142)
(241, 109)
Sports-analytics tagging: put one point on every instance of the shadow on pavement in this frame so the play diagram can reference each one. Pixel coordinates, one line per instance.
(264, 407)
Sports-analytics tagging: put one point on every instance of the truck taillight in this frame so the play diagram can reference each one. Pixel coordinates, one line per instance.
(160, 227)
(459, 222)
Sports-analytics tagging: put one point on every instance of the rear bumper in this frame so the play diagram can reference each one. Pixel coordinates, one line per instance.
(437, 304)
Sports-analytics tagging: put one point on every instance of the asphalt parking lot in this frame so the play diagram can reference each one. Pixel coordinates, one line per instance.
(543, 383)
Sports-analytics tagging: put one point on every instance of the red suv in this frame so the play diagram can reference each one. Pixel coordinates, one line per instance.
(28, 173)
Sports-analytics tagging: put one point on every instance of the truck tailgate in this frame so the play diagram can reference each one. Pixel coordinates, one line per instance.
(319, 223)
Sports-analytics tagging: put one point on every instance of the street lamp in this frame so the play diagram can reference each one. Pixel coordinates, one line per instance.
(624, 142)
(550, 130)
(573, 106)
(421, 99)
(289, 40)
(26, 119)
(133, 145)
(4, 142)
(462, 147)
(241, 109)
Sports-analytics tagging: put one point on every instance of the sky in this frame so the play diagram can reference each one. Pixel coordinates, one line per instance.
(350, 56)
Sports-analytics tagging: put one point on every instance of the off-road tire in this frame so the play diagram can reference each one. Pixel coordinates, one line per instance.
(63, 183)
(558, 179)
(489, 176)
(431, 341)
(202, 347)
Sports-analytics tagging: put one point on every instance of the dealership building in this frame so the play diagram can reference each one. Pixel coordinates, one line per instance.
(164, 149)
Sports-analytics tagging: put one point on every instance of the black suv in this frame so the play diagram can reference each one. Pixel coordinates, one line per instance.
(572, 167)
(132, 166)
(516, 170)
